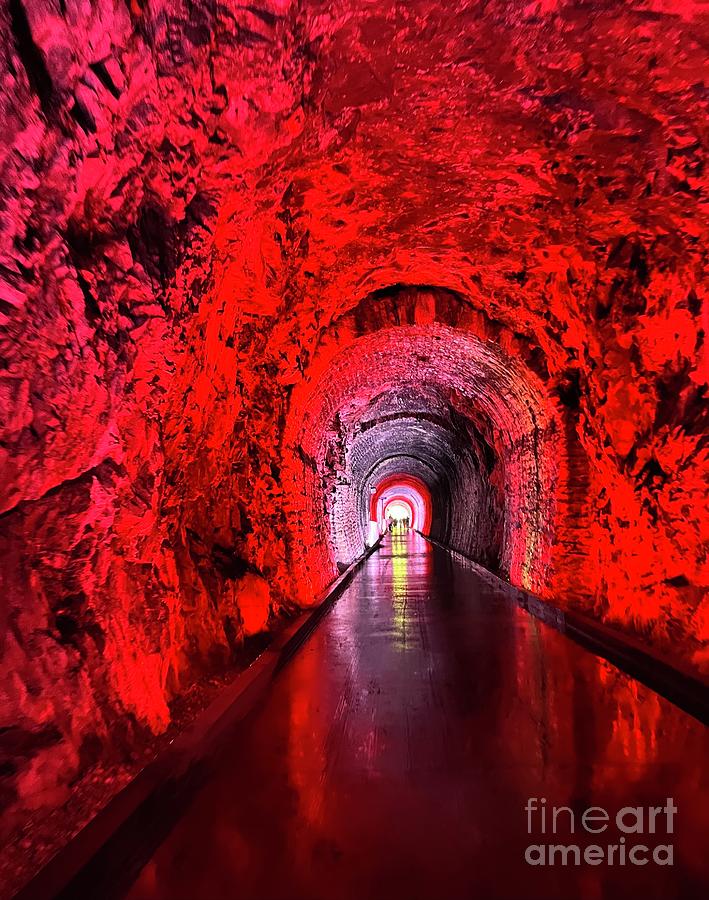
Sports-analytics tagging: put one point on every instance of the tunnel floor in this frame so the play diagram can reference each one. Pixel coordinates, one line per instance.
(395, 754)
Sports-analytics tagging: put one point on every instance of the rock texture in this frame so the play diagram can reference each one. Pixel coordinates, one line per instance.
(249, 251)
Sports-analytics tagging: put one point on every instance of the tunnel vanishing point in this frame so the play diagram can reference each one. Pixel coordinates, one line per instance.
(269, 272)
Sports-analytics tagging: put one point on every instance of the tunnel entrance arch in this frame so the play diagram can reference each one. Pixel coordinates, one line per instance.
(398, 512)
(446, 404)
(399, 487)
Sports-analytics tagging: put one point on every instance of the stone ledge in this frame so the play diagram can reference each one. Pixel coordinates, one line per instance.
(686, 689)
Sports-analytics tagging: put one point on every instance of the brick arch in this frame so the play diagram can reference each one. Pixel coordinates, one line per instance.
(409, 487)
(480, 416)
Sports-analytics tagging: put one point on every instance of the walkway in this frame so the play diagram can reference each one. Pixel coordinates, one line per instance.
(397, 750)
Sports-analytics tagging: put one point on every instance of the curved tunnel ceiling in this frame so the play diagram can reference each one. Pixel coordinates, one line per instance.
(462, 413)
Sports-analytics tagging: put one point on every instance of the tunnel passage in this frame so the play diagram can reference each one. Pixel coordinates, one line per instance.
(398, 513)
(443, 406)
(399, 488)
(202, 206)
(435, 448)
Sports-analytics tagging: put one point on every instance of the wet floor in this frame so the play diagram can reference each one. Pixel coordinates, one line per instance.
(395, 754)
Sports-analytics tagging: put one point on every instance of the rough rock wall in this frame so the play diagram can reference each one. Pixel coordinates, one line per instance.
(121, 125)
(195, 195)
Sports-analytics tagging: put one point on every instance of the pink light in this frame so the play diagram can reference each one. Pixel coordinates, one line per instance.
(406, 489)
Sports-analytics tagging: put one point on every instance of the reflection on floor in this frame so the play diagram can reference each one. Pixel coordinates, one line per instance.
(397, 751)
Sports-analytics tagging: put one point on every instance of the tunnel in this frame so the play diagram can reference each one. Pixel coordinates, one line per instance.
(429, 399)
(396, 497)
(353, 448)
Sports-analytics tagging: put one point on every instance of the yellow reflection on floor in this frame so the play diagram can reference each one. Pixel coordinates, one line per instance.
(400, 581)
